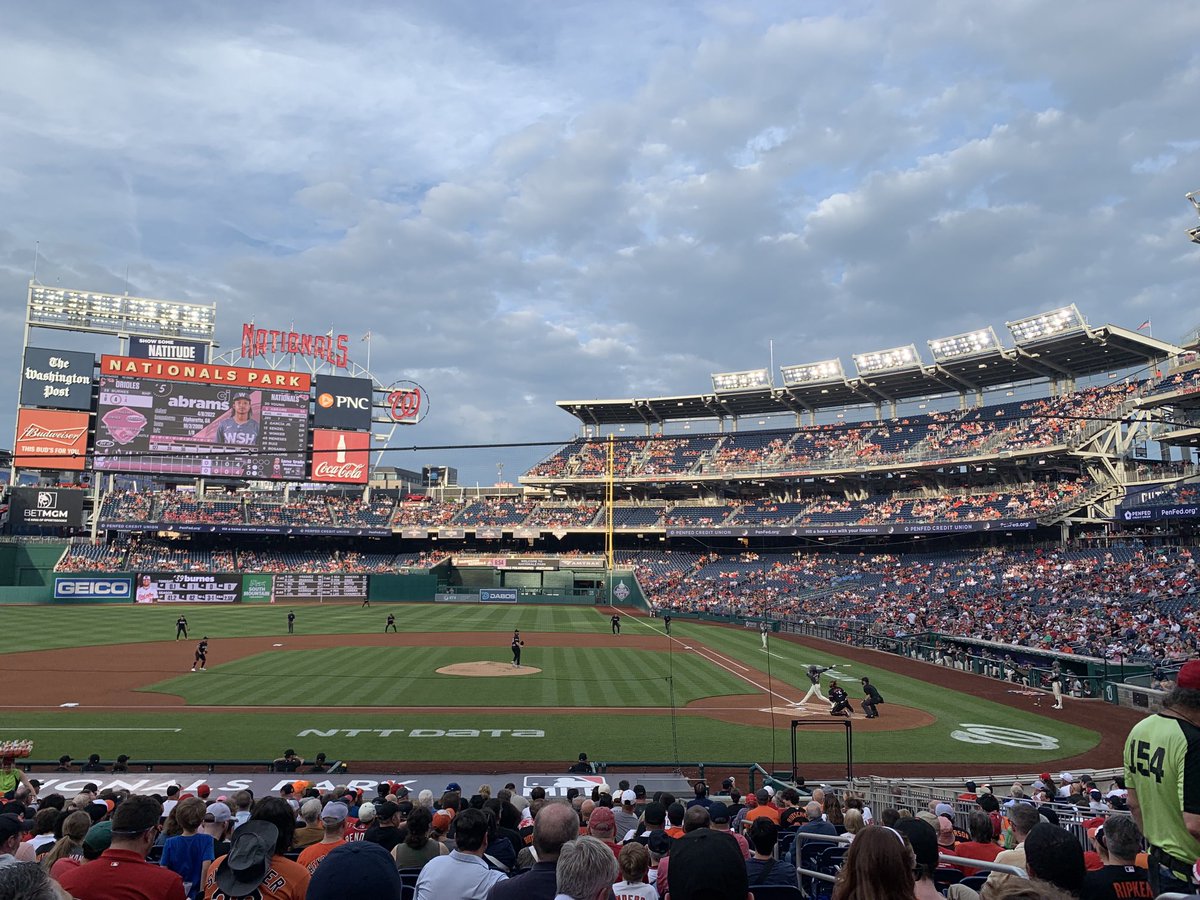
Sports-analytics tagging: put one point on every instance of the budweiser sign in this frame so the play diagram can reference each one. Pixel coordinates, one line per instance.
(262, 341)
(340, 457)
(51, 439)
(68, 436)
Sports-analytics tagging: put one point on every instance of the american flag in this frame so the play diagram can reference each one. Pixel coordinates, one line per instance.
(1144, 325)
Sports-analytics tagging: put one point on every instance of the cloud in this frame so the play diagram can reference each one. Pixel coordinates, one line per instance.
(543, 203)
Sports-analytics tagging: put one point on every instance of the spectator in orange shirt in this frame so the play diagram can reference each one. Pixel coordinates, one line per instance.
(764, 809)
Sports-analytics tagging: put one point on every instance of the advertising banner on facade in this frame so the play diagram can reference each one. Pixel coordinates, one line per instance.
(340, 457)
(59, 379)
(343, 402)
(257, 587)
(168, 348)
(48, 439)
(47, 506)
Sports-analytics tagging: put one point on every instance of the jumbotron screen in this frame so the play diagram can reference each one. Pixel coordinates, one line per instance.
(186, 428)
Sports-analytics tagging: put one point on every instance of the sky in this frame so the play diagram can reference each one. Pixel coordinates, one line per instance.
(530, 202)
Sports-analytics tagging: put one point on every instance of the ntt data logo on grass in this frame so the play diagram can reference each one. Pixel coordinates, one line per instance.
(423, 732)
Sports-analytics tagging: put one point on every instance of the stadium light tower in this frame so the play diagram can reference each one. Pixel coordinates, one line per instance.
(960, 346)
(1047, 325)
(51, 307)
(895, 359)
(750, 380)
(1194, 232)
(812, 373)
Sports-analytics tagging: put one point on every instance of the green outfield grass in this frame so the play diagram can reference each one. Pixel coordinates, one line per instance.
(325, 680)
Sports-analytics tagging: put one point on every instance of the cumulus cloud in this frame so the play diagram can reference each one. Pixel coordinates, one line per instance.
(528, 204)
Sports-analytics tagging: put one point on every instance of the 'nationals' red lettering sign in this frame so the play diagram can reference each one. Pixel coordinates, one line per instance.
(261, 341)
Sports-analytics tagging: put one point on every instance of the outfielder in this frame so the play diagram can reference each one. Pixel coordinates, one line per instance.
(814, 675)
(763, 629)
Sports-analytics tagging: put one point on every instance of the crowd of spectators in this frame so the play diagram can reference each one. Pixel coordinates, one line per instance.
(1132, 602)
(305, 843)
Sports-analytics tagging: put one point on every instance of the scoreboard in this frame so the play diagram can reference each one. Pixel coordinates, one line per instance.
(148, 424)
(321, 587)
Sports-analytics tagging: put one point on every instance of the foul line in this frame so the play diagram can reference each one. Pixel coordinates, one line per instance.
(97, 728)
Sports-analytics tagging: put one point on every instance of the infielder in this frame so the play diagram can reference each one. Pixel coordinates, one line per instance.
(201, 658)
(814, 675)
(181, 628)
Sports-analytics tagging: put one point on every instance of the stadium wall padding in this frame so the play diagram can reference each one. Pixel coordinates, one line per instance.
(411, 588)
(29, 564)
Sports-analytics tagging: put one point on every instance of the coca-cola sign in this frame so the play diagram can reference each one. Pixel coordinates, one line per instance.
(346, 471)
(340, 457)
(49, 439)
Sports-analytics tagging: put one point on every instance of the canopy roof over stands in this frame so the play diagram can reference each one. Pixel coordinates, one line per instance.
(1065, 356)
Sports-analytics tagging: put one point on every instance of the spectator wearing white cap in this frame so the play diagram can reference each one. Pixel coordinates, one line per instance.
(218, 824)
(333, 823)
(1067, 780)
(626, 815)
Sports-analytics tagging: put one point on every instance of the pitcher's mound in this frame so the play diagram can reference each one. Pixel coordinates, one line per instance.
(487, 669)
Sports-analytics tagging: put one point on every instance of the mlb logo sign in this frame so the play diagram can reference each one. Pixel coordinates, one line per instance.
(47, 500)
(558, 785)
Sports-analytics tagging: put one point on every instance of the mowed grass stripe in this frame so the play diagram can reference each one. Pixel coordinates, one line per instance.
(382, 676)
(50, 627)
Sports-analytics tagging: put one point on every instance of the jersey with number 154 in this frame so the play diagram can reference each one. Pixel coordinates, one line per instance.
(1162, 764)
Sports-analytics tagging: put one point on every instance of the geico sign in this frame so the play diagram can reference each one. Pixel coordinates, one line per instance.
(92, 588)
(338, 401)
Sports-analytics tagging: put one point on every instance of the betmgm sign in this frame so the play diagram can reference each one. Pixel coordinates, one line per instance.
(57, 507)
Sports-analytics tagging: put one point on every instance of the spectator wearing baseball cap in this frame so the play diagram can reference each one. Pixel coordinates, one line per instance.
(218, 824)
(11, 831)
(601, 824)
(122, 869)
(357, 869)
(312, 831)
(706, 863)
(719, 818)
(64, 763)
(385, 830)
(333, 823)
(258, 847)
(625, 815)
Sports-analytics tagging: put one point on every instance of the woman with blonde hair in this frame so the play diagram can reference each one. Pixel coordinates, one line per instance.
(878, 866)
(854, 822)
(67, 852)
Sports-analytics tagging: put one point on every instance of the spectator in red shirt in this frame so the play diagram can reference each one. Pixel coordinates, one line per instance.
(122, 870)
(982, 845)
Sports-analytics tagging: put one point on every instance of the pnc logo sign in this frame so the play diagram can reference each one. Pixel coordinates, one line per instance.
(331, 401)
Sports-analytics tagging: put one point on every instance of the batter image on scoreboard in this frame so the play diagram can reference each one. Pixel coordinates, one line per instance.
(190, 428)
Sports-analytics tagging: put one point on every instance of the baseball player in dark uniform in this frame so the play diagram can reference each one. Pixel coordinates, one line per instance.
(616, 624)
(391, 623)
(814, 676)
(291, 621)
(871, 699)
(839, 701)
(667, 622)
(181, 628)
(201, 658)
(517, 644)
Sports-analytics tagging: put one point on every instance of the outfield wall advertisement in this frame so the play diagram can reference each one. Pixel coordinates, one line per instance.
(92, 589)
(186, 587)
